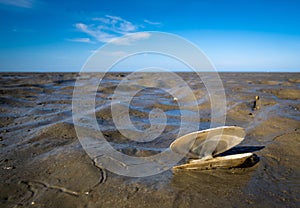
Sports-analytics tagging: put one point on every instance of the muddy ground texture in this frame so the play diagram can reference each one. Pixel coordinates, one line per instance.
(42, 163)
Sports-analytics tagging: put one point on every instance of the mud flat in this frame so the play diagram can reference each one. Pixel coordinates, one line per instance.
(42, 163)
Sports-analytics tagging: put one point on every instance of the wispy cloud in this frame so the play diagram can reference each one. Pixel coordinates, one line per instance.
(109, 28)
(116, 24)
(81, 40)
(128, 40)
(153, 23)
(96, 32)
(18, 3)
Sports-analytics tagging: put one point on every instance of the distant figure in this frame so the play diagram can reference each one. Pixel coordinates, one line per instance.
(256, 104)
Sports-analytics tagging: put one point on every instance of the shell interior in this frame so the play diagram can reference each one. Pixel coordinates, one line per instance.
(208, 143)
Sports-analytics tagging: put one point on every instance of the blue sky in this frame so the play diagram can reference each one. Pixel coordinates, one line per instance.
(237, 35)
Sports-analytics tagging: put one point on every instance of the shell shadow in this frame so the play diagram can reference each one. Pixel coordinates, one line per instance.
(241, 149)
(249, 162)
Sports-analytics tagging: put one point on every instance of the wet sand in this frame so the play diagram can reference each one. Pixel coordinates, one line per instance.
(42, 163)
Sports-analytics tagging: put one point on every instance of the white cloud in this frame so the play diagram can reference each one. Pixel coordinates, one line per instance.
(153, 23)
(81, 40)
(128, 40)
(116, 53)
(95, 32)
(18, 3)
(116, 24)
(109, 28)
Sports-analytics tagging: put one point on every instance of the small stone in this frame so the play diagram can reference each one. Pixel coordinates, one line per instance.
(8, 167)
(33, 203)
(283, 199)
